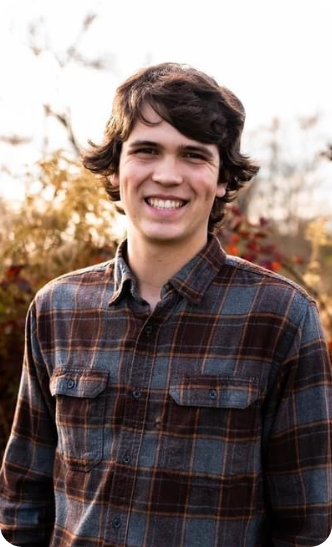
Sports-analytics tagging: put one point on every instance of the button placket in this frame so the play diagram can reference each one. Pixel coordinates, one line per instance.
(134, 412)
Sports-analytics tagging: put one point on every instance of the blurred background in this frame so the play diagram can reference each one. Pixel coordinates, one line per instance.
(60, 62)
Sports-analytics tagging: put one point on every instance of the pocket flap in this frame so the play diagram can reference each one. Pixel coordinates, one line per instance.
(215, 391)
(79, 383)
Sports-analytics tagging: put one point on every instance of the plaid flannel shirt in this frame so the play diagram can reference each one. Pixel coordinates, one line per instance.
(206, 423)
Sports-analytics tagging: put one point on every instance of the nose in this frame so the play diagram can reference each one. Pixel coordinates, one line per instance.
(167, 172)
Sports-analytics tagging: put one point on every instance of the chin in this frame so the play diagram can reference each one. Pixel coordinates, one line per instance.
(163, 237)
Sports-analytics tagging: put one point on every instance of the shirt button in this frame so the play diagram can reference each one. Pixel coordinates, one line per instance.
(213, 394)
(137, 394)
(158, 422)
(126, 459)
(116, 523)
(148, 330)
(70, 384)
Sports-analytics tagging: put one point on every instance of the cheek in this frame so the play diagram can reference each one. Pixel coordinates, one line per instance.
(127, 182)
(134, 176)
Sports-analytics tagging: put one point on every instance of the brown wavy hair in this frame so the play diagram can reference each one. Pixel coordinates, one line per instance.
(196, 106)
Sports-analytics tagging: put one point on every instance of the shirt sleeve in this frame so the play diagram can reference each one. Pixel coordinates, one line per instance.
(26, 477)
(297, 446)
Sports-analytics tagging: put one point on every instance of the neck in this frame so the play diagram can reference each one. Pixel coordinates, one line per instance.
(154, 264)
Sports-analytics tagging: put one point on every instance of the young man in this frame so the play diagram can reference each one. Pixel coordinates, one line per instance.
(174, 396)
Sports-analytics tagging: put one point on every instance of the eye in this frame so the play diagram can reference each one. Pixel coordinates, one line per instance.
(195, 156)
(146, 151)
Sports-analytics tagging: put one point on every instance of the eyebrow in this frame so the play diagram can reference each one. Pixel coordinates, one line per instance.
(182, 148)
(143, 143)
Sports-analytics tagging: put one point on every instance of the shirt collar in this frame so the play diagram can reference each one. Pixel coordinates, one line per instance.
(191, 281)
(194, 278)
(123, 277)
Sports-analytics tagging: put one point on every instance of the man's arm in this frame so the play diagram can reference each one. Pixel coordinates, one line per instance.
(298, 442)
(26, 478)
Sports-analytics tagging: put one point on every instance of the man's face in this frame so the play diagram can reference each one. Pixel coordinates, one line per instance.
(167, 184)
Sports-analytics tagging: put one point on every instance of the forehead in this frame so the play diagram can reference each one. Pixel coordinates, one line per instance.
(160, 131)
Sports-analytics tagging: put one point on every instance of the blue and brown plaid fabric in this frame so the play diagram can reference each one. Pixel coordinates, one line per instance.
(204, 424)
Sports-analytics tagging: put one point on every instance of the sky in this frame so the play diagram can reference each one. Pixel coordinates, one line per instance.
(274, 54)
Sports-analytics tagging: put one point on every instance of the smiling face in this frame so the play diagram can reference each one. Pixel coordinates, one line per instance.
(167, 184)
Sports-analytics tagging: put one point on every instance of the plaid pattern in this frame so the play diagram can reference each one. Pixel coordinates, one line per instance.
(204, 424)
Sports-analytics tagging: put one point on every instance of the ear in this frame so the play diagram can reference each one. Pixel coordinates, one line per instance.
(115, 180)
(221, 189)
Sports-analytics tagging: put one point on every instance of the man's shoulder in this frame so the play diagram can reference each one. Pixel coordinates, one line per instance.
(243, 272)
(94, 271)
(64, 287)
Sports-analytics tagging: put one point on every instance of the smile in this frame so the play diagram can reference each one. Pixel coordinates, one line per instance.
(165, 203)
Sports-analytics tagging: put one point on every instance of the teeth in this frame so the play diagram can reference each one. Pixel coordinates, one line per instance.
(165, 204)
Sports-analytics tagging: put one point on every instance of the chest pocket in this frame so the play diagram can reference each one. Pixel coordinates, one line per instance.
(80, 412)
(213, 426)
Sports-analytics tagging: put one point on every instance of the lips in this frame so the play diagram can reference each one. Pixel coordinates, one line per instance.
(159, 203)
